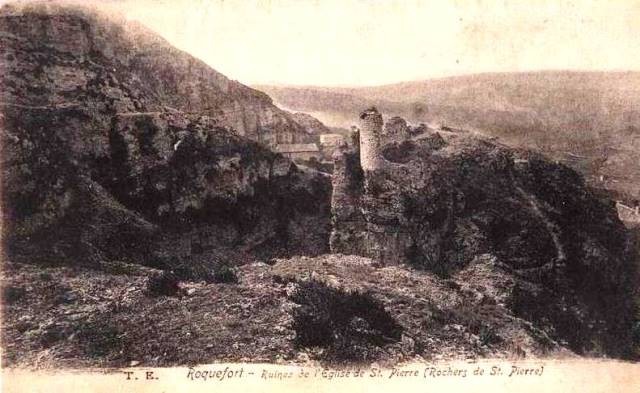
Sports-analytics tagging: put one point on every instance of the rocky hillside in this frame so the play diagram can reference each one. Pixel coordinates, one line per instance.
(62, 317)
(117, 146)
(328, 309)
(444, 202)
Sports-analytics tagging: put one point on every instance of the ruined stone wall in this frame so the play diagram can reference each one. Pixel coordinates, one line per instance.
(346, 215)
(396, 129)
(464, 204)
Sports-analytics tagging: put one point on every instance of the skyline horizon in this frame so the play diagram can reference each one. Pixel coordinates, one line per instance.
(359, 43)
(453, 76)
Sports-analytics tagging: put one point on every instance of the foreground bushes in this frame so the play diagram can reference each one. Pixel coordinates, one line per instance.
(349, 326)
(164, 284)
(167, 283)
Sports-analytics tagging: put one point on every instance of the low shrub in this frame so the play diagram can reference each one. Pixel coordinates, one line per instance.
(12, 294)
(225, 274)
(351, 326)
(194, 272)
(164, 284)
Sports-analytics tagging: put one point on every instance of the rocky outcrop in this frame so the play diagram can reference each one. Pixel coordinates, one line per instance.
(117, 146)
(439, 202)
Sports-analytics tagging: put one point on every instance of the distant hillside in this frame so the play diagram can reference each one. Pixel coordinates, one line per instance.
(594, 116)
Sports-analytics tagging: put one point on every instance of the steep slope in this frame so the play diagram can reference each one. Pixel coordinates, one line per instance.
(116, 146)
(73, 48)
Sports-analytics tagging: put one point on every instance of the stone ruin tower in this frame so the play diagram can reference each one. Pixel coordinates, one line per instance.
(370, 139)
(363, 223)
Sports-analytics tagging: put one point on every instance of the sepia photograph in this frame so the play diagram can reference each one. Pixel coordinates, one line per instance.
(344, 192)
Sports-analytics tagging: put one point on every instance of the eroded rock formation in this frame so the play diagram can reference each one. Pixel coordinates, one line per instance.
(117, 146)
(440, 202)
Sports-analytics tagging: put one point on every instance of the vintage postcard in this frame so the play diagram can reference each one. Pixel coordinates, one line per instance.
(354, 195)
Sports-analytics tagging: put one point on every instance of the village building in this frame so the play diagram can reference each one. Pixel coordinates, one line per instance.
(299, 151)
(331, 140)
(630, 214)
(284, 137)
(273, 138)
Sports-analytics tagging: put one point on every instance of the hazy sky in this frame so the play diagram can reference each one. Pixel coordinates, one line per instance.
(358, 42)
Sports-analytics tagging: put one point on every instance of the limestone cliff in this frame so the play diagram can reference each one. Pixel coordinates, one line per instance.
(63, 54)
(117, 146)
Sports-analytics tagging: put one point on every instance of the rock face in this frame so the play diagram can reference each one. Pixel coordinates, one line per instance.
(63, 53)
(442, 201)
(117, 146)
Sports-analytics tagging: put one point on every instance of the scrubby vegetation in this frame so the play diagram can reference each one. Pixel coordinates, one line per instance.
(225, 274)
(350, 326)
(163, 284)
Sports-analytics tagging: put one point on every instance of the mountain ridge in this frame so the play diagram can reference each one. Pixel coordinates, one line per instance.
(169, 77)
